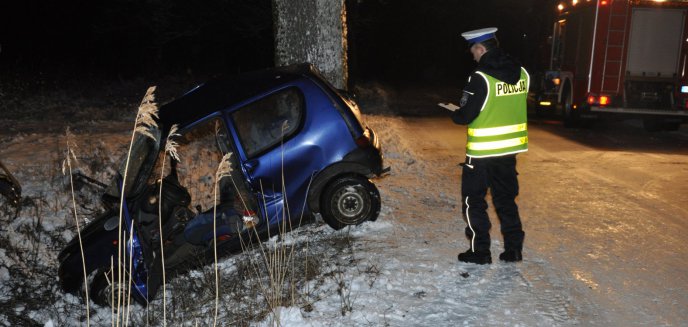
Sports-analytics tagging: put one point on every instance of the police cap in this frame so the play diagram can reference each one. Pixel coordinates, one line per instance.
(479, 35)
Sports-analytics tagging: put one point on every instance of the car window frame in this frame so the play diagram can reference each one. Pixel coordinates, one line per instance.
(230, 139)
(272, 145)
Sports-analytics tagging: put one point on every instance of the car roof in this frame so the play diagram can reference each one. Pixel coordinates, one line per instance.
(223, 92)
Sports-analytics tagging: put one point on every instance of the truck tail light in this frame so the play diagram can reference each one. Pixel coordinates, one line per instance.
(604, 100)
(601, 100)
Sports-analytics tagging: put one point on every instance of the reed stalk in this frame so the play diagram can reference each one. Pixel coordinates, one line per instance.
(67, 165)
(224, 169)
(171, 149)
(145, 120)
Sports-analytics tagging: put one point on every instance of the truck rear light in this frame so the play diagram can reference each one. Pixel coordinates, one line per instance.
(604, 100)
(601, 100)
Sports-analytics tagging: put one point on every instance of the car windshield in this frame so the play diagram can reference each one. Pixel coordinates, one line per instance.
(143, 150)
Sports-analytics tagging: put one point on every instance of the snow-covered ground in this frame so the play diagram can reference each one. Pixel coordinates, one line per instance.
(605, 229)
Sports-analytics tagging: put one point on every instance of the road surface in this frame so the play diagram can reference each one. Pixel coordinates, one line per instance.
(604, 209)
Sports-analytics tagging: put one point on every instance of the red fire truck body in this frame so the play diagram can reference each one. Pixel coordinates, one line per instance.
(619, 58)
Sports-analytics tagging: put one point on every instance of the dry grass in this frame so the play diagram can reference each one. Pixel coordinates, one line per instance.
(67, 165)
(320, 259)
(31, 238)
(171, 150)
(144, 124)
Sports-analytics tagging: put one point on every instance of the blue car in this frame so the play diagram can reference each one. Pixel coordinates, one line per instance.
(235, 159)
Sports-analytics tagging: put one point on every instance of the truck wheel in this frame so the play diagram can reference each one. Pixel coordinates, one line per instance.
(350, 200)
(568, 116)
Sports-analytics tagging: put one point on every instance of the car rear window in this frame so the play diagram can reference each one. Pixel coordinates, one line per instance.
(267, 122)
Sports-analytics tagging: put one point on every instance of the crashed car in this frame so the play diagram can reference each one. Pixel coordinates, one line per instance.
(294, 146)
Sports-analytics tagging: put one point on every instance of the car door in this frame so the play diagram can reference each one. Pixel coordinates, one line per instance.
(268, 133)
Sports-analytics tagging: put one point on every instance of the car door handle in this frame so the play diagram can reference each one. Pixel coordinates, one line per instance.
(251, 165)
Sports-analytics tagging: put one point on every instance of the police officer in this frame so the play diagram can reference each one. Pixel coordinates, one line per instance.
(493, 105)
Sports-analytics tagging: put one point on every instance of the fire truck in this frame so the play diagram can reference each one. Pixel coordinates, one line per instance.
(619, 59)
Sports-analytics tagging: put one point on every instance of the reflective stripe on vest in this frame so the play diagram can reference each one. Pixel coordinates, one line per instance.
(491, 131)
(501, 127)
(494, 145)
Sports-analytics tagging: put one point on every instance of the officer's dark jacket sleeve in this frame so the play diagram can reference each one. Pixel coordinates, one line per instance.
(472, 100)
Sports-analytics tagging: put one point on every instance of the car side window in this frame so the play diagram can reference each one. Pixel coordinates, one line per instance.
(269, 121)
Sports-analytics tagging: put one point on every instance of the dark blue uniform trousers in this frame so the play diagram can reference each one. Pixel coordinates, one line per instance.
(498, 174)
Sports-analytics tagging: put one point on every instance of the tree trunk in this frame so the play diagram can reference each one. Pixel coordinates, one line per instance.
(312, 31)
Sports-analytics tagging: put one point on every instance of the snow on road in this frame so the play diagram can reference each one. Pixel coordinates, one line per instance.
(605, 228)
(605, 233)
(613, 219)
(432, 287)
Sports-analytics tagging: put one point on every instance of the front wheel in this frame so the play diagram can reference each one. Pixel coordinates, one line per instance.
(350, 200)
(103, 290)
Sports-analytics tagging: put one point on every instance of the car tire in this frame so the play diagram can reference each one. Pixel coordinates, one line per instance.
(350, 200)
(100, 289)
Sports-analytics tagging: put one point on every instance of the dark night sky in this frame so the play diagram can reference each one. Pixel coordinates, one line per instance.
(390, 40)
(420, 40)
(133, 37)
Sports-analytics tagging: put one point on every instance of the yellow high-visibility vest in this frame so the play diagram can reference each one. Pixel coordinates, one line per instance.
(501, 128)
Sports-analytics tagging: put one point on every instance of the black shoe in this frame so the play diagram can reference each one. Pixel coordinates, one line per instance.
(511, 256)
(477, 257)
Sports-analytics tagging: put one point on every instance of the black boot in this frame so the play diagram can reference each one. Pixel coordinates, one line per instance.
(477, 257)
(511, 256)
